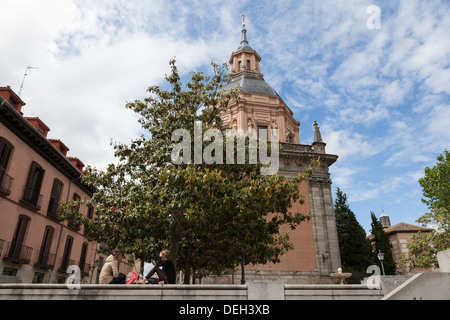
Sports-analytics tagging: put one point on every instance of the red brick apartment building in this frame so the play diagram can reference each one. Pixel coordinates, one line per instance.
(35, 176)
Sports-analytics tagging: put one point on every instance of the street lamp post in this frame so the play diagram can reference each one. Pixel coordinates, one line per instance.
(242, 267)
(381, 258)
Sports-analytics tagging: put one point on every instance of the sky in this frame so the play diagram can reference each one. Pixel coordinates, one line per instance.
(375, 75)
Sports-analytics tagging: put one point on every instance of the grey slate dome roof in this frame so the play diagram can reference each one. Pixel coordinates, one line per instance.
(251, 82)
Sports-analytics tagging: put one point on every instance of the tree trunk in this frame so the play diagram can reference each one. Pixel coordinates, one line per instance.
(174, 250)
(177, 235)
(194, 274)
(187, 275)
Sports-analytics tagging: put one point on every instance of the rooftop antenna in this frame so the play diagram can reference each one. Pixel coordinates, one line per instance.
(26, 73)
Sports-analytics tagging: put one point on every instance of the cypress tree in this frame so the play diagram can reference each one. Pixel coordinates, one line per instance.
(381, 243)
(355, 248)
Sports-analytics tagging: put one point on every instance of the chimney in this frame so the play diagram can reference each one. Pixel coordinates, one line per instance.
(385, 221)
(59, 145)
(39, 125)
(14, 100)
(77, 163)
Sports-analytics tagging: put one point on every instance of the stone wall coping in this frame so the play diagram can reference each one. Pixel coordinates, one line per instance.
(176, 286)
(46, 286)
(257, 290)
(325, 287)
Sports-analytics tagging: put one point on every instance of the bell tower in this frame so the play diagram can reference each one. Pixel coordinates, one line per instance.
(316, 250)
(260, 107)
(245, 58)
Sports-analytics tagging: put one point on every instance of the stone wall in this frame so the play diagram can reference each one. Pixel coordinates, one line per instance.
(251, 291)
(423, 286)
(287, 277)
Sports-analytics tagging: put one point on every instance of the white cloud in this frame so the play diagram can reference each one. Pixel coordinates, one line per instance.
(344, 176)
(388, 187)
(394, 92)
(92, 58)
(438, 127)
(347, 143)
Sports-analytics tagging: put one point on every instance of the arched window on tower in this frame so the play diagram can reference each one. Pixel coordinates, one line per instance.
(248, 64)
(239, 66)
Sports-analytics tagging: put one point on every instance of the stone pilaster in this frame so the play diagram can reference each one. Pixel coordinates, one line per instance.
(324, 225)
(296, 158)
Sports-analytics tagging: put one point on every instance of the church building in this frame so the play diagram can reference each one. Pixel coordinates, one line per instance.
(260, 109)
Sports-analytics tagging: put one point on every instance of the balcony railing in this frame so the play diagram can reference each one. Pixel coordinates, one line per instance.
(65, 263)
(18, 253)
(32, 198)
(46, 260)
(6, 184)
(84, 269)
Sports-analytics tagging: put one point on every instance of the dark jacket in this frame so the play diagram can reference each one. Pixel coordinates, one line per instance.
(168, 268)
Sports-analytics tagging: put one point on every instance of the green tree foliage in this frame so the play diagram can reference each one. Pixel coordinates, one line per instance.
(204, 213)
(436, 190)
(381, 243)
(355, 248)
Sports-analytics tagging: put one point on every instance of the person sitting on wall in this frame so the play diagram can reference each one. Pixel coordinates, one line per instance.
(165, 276)
(110, 271)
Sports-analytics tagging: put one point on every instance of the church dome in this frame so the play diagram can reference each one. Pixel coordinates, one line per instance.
(250, 82)
(245, 70)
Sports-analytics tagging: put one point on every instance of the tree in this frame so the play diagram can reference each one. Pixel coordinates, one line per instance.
(381, 243)
(355, 248)
(436, 190)
(206, 213)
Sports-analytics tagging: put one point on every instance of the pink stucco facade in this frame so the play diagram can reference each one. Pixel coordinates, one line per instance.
(34, 244)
